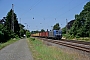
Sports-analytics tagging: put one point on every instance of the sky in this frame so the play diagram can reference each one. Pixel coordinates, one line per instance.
(42, 14)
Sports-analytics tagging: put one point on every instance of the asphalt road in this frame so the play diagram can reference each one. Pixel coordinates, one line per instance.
(16, 51)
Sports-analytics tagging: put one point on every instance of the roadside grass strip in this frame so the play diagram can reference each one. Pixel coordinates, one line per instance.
(40, 51)
(70, 37)
(87, 39)
(2, 45)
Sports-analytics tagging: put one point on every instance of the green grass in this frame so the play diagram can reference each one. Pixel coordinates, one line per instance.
(84, 39)
(2, 45)
(69, 37)
(40, 51)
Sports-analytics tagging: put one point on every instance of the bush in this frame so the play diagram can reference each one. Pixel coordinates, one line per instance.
(68, 36)
(16, 36)
(77, 36)
(32, 39)
(27, 34)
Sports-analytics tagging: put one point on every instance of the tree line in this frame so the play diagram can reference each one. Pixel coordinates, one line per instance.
(80, 26)
(55, 27)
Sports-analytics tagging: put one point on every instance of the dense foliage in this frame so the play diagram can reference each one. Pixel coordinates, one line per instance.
(81, 25)
(42, 30)
(6, 32)
(28, 33)
(22, 30)
(33, 32)
(56, 26)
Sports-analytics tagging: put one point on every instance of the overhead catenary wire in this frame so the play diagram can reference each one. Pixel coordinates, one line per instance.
(31, 7)
(35, 4)
(61, 8)
(77, 5)
(55, 18)
(70, 9)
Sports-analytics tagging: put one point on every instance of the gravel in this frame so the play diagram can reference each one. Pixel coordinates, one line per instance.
(78, 54)
(16, 51)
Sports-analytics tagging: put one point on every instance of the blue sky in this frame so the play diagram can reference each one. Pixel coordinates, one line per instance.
(46, 13)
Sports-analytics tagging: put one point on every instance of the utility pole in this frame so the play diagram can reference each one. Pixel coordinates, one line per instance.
(66, 27)
(20, 26)
(27, 26)
(60, 27)
(12, 26)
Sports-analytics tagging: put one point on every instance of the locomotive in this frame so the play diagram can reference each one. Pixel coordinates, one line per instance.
(55, 34)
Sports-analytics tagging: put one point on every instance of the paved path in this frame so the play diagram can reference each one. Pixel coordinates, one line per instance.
(16, 51)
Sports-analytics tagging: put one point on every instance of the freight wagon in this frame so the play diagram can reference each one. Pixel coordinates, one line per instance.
(55, 34)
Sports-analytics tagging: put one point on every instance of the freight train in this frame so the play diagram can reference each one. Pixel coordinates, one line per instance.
(55, 34)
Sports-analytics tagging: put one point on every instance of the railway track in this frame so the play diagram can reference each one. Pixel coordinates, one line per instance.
(80, 45)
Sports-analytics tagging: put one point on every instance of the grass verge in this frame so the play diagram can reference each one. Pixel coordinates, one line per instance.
(69, 37)
(2, 45)
(40, 51)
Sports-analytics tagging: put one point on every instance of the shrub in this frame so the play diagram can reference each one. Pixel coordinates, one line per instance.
(27, 34)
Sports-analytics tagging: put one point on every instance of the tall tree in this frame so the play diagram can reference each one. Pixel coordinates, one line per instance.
(22, 30)
(8, 23)
(42, 30)
(56, 26)
(16, 25)
(81, 26)
(64, 30)
(6, 32)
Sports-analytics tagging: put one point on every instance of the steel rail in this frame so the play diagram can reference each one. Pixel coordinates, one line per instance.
(72, 44)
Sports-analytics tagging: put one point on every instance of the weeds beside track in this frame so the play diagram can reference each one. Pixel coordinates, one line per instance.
(80, 45)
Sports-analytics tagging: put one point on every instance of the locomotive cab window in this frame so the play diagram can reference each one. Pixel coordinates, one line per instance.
(59, 32)
(56, 32)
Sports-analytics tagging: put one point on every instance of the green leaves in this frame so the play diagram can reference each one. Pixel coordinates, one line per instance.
(28, 33)
(81, 26)
(42, 30)
(56, 26)
(64, 30)
(87, 6)
(6, 32)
